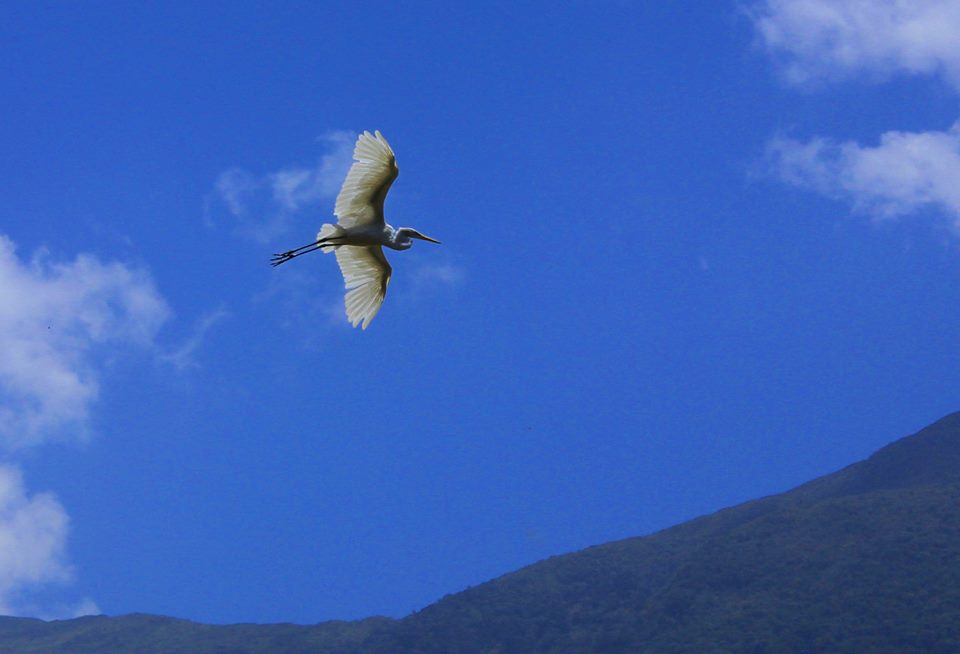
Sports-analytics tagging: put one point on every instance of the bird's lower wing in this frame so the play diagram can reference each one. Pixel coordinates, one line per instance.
(366, 273)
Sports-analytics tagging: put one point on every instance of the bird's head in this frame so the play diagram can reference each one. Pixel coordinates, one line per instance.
(406, 233)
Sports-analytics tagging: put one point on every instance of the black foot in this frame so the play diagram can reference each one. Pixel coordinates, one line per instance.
(283, 257)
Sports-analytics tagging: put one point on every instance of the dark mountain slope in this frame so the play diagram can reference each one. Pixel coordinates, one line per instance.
(929, 457)
(864, 560)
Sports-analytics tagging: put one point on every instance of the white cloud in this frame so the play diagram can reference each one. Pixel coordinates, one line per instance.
(33, 533)
(58, 320)
(906, 172)
(182, 358)
(306, 301)
(425, 282)
(86, 606)
(831, 40)
(816, 40)
(431, 276)
(235, 187)
(261, 206)
(53, 317)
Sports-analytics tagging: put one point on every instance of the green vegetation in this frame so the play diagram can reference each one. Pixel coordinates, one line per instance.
(864, 560)
(151, 634)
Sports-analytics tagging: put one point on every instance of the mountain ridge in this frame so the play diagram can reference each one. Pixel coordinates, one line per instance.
(863, 559)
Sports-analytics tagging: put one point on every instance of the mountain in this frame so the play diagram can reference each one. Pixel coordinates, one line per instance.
(154, 634)
(863, 560)
(866, 559)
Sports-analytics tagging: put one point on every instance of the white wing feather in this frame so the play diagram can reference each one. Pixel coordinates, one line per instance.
(366, 274)
(360, 201)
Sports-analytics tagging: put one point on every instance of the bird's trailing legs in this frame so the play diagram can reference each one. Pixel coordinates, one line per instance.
(283, 257)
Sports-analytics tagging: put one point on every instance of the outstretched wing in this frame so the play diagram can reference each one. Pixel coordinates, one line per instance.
(366, 274)
(361, 197)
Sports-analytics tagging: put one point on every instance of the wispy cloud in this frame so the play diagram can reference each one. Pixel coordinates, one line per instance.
(307, 303)
(261, 206)
(183, 357)
(428, 277)
(310, 304)
(426, 282)
(56, 610)
(54, 316)
(828, 40)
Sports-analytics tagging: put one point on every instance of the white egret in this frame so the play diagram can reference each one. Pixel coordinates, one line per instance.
(361, 230)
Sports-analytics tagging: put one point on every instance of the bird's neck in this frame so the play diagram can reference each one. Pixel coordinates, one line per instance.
(398, 239)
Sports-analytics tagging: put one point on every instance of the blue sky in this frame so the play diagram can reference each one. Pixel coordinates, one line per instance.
(691, 255)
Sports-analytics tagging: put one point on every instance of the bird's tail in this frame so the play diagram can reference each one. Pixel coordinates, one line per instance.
(329, 231)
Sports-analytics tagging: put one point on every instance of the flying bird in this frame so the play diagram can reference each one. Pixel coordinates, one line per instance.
(361, 233)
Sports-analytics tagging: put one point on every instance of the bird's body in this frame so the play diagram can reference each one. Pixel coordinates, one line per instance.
(361, 232)
(386, 236)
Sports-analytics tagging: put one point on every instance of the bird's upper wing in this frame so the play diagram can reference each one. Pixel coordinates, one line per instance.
(361, 197)
(366, 274)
